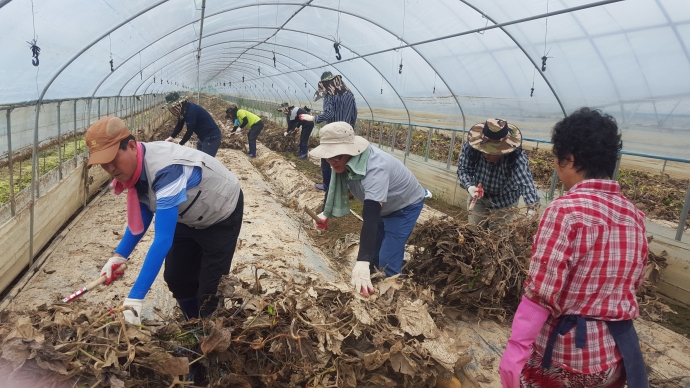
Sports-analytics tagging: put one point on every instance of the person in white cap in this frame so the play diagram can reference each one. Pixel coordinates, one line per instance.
(392, 197)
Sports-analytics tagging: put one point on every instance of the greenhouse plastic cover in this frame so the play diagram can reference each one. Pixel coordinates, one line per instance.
(630, 58)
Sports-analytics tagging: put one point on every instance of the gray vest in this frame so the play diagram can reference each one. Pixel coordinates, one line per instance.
(212, 201)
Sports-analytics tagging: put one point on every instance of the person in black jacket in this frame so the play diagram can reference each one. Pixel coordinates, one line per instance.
(198, 121)
(292, 115)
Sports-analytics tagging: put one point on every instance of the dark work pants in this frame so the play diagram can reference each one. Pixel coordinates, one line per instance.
(253, 135)
(209, 146)
(199, 257)
(304, 136)
(326, 175)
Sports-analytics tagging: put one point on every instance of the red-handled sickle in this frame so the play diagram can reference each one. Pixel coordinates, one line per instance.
(91, 285)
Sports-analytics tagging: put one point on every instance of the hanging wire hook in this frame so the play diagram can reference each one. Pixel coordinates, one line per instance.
(35, 50)
(546, 30)
(112, 68)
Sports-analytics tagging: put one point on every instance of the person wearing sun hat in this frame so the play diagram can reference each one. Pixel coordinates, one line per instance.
(392, 198)
(198, 121)
(198, 206)
(338, 105)
(494, 169)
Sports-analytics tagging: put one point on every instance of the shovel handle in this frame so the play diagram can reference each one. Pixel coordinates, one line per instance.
(102, 279)
(313, 215)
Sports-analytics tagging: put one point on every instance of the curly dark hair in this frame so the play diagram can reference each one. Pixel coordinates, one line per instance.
(593, 140)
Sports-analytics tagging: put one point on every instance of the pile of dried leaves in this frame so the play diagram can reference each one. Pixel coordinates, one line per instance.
(483, 271)
(473, 268)
(314, 333)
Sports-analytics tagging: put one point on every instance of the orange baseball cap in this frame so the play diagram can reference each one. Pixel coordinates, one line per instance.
(103, 139)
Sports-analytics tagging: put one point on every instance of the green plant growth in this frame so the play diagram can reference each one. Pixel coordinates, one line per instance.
(47, 160)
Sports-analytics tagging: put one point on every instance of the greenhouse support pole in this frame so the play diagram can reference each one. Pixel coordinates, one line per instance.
(408, 142)
(618, 166)
(552, 189)
(107, 106)
(75, 130)
(34, 185)
(99, 108)
(9, 161)
(394, 128)
(428, 144)
(59, 145)
(683, 215)
(450, 151)
(198, 53)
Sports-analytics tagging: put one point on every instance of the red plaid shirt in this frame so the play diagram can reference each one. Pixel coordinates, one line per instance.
(588, 259)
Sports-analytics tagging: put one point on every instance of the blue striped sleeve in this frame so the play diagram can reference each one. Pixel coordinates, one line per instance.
(172, 182)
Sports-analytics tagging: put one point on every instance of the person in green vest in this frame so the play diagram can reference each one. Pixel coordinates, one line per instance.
(245, 118)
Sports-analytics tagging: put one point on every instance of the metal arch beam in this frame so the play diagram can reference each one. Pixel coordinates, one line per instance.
(254, 84)
(243, 68)
(543, 76)
(166, 65)
(182, 56)
(464, 125)
(4, 3)
(302, 6)
(371, 111)
(34, 162)
(295, 48)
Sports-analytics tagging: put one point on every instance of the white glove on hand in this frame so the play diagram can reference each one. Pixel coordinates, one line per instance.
(322, 217)
(285, 133)
(473, 191)
(304, 117)
(361, 278)
(107, 270)
(531, 212)
(136, 305)
(170, 139)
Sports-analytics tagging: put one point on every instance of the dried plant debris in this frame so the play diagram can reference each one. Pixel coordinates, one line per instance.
(473, 268)
(483, 271)
(314, 333)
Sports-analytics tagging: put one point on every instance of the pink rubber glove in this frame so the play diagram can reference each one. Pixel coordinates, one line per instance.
(527, 323)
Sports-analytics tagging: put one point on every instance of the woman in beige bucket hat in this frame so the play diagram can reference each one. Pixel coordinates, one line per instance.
(392, 198)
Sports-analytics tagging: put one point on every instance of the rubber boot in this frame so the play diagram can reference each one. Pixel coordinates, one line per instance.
(189, 307)
(252, 149)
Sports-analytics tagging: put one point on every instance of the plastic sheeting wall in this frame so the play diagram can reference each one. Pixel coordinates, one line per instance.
(630, 58)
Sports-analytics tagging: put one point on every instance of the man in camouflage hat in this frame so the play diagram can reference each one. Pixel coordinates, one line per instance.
(494, 169)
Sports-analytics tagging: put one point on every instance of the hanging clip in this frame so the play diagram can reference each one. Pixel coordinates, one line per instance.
(434, 92)
(543, 61)
(274, 59)
(111, 65)
(400, 68)
(259, 71)
(336, 46)
(35, 51)
(242, 78)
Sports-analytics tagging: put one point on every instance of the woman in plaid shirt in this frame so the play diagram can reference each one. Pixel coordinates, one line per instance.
(573, 327)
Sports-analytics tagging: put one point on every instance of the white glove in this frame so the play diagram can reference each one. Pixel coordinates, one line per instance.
(473, 191)
(305, 117)
(136, 305)
(361, 278)
(322, 217)
(112, 264)
(285, 133)
(170, 139)
(531, 212)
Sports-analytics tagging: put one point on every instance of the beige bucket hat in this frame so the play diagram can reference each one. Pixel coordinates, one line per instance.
(339, 138)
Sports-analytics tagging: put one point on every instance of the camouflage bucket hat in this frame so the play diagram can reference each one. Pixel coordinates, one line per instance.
(495, 137)
(173, 99)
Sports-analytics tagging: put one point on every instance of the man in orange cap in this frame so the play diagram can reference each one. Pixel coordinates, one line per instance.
(198, 205)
